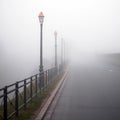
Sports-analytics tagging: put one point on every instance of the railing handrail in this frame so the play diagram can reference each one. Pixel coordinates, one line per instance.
(39, 81)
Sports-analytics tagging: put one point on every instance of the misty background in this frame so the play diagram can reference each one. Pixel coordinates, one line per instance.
(88, 27)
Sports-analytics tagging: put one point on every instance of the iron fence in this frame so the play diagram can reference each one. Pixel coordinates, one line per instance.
(16, 96)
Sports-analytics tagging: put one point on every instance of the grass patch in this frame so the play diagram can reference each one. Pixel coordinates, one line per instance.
(34, 107)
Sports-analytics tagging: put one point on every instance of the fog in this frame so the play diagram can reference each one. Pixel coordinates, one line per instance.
(88, 27)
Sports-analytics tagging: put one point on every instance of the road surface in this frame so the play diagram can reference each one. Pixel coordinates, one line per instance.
(91, 92)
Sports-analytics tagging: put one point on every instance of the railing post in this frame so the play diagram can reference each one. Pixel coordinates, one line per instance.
(40, 81)
(16, 98)
(46, 79)
(36, 84)
(31, 88)
(25, 93)
(43, 80)
(5, 104)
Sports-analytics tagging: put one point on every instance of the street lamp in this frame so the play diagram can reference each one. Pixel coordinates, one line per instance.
(41, 73)
(62, 52)
(41, 19)
(55, 34)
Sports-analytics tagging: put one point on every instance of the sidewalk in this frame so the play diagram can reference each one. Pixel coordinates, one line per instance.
(89, 93)
(50, 99)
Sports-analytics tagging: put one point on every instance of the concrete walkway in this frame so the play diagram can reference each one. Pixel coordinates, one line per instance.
(91, 92)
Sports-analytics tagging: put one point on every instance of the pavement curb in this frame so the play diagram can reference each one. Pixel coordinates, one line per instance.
(50, 99)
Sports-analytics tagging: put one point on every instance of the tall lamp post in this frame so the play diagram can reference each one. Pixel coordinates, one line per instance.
(41, 19)
(41, 74)
(55, 34)
(62, 52)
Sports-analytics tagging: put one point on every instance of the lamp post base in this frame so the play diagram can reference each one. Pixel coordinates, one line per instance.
(41, 77)
(41, 69)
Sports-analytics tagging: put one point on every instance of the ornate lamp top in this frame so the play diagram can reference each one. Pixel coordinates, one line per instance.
(41, 14)
(55, 33)
(41, 17)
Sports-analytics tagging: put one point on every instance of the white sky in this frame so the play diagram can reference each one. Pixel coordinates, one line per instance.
(90, 25)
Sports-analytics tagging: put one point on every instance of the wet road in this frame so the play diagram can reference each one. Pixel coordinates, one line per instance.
(91, 92)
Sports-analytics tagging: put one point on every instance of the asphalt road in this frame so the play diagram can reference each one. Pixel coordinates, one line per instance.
(91, 92)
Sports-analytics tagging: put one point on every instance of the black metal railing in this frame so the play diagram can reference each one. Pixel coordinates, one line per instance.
(16, 96)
